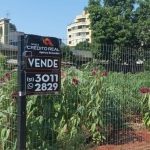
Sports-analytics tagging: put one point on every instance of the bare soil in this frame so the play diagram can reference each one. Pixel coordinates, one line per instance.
(135, 137)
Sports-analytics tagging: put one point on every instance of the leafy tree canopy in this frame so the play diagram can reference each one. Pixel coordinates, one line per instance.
(67, 54)
(12, 27)
(120, 23)
(83, 46)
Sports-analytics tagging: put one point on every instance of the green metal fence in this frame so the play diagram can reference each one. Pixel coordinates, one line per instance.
(102, 103)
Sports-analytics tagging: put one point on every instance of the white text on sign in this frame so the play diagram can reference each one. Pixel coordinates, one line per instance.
(39, 82)
(46, 87)
(43, 63)
(46, 78)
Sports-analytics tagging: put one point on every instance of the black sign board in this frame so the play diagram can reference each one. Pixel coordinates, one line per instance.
(42, 64)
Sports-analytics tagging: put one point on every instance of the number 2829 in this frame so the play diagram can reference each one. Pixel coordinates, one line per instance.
(50, 82)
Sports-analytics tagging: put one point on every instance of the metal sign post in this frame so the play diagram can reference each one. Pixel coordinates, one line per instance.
(21, 118)
(39, 72)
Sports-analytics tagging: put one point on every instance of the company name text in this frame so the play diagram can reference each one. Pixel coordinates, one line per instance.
(42, 48)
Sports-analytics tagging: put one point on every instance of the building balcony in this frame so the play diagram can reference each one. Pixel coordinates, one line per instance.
(82, 16)
(78, 23)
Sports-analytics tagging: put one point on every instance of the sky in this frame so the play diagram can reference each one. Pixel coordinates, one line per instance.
(42, 17)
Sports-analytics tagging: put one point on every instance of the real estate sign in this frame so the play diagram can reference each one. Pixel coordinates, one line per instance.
(42, 64)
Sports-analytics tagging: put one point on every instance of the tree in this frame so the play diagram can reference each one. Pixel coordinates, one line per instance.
(83, 46)
(142, 21)
(117, 23)
(67, 54)
(12, 27)
(112, 23)
(94, 2)
(85, 8)
(142, 17)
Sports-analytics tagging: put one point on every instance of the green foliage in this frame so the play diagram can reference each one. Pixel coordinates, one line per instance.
(94, 2)
(112, 23)
(40, 122)
(118, 22)
(2, 62)
(12, 27)
(83, 46)
(147, 65)
(8, 113)
(66, 54)
(146, 110)
(95, 107)
(142, 14)
(124, 93)
(85, 9)
(76, 142)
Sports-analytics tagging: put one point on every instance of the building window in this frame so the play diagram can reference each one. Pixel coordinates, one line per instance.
(79, 27)
(69, 30)
(87, 39)
(87, 33)
(69, 36)
(77, 34)
(76, 27)
(73, 28)
(82, 20)
(78, 40)
(69, 42)
(84, 26)
(82, 33)
(73, 35)
(87, 26)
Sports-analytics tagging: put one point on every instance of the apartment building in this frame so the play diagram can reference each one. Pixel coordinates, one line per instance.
(6, 35)
(79, 30)
(4, 30)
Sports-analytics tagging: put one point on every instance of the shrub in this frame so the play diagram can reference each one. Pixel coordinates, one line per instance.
(146, 107)
(92, 103)
(2, 61)
(76, 142)
(8, 114)
(147, 65)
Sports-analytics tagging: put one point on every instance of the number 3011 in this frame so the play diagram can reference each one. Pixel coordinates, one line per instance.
(46, 87)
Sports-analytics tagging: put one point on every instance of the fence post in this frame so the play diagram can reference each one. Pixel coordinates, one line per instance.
(21, 114)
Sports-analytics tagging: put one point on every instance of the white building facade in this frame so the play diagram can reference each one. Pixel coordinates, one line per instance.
(79, 30)
(6, 35)
(4, 30)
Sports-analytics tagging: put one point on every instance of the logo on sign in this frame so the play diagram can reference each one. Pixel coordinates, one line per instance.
(30, 86)
(43, 45)
(48, 42)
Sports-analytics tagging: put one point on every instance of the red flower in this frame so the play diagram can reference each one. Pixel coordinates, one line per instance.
(144, 90)
(75, 80)
(96, 69)
(7, 75)
(97, 128)
(104, 73)
(93, 73)
(14, 95)
(2, 80)
(63, 75)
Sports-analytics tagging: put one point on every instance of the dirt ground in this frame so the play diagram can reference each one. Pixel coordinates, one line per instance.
(137, 137)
